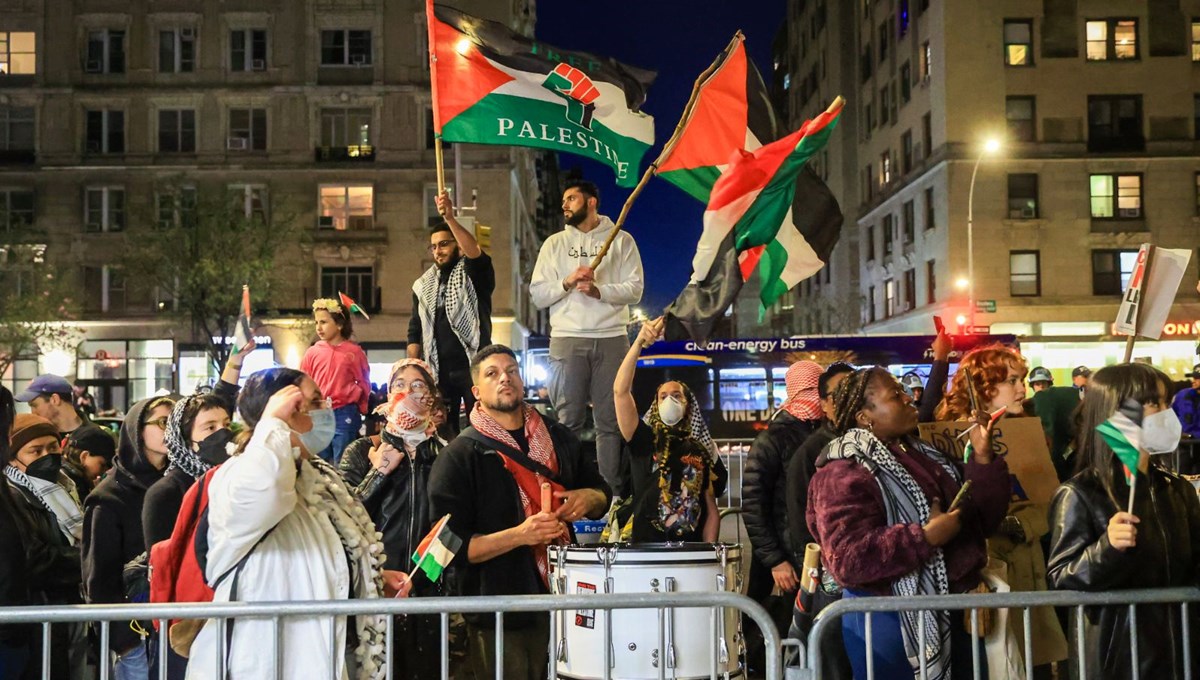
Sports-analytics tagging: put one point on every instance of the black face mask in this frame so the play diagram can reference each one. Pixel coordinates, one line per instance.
(212, 449)
(46, 467)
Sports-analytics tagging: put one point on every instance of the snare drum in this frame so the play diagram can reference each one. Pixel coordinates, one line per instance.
(647, 568)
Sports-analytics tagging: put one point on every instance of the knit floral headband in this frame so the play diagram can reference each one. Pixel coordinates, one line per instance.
(329, 305)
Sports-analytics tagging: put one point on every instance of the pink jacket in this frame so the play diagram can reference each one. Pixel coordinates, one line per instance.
(340, 371)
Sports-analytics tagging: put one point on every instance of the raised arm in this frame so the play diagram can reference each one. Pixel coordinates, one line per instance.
(465, 239)
(627, 413)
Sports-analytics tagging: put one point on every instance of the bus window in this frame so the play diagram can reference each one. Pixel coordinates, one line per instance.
(743, 389)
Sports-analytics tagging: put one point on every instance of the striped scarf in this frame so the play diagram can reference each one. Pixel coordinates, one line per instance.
(905, 503)
(58, 499)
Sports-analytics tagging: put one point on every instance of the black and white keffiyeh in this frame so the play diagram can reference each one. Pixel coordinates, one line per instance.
(693, 422)
(179, 450)
(905, 503)
(462, 308)
(58, 499)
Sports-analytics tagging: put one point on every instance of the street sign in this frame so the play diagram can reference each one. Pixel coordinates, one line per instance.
(979, 330)
(985, 306)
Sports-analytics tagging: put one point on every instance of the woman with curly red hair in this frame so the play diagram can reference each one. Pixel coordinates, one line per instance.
(997, 374)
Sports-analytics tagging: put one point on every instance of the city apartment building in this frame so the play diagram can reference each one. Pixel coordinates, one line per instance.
(315, 112)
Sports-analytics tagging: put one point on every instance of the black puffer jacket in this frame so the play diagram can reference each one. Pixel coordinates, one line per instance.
(1167, 554)
(800, 471)
(764, 489)
(398, 502)
(112, 522)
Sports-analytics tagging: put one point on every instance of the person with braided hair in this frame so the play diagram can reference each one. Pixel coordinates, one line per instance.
(997, 374)
(879, 507)
(671, 472)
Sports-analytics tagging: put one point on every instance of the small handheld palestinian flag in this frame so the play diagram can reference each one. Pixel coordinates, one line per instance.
(351, 306)
(437, 549)
(1123, 434)
(241, 328)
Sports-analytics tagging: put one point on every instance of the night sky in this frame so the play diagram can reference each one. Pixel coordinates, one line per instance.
(678, 39)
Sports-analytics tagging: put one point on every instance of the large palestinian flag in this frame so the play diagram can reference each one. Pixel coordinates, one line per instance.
(494, 86)
(766, 207)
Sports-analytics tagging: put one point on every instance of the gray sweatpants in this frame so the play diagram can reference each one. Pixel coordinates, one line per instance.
(582, 371)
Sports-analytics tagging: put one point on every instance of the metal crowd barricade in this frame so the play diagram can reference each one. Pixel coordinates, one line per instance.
(829, 622)
(105, 615)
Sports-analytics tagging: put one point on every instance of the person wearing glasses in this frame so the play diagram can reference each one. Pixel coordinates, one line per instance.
(452, 309)
(389, 473)
(112, 526)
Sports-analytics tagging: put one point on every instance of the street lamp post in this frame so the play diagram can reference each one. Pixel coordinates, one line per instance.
(989, 147)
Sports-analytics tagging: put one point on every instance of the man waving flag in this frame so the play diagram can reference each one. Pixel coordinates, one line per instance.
(494, 86)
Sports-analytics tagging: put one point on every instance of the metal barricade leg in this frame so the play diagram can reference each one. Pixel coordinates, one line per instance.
(45, 651)
(277, 646)
(870, 649)
(1028, 643)
(164, 642)
(1081, 653)
(389, 646)
(499, 645)
(1187, 648)
(921, 645)
(553, 672)
(105, 656)
(1133, 642)
(974, 644)
(445, 623)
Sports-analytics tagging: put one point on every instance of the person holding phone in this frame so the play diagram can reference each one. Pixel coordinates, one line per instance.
(877, 507)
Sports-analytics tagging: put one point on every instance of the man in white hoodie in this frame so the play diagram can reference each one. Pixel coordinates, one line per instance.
(589, 311)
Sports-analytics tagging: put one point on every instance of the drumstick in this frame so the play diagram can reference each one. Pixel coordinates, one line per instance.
(547, 498)
(812, 562)
(994, 416)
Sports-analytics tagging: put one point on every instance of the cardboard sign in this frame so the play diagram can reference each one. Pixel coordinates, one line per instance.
(1152, 286)
(1020, 440)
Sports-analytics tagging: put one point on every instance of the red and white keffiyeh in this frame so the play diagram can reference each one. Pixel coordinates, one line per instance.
(803, 402)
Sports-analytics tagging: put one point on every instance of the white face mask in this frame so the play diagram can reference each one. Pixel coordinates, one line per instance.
(1161, 432)
(671, 411)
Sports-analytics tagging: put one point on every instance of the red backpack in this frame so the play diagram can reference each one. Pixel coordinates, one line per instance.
(176, 574)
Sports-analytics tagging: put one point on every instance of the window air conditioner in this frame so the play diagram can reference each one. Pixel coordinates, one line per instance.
(325, 222)
(188, 33)
(1028, 212)
(258, 65)
(1129, 212)
(361, 222)
(359, 60)
(236, 144)
(94, 66)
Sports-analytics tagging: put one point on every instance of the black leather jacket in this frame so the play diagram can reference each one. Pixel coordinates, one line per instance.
(397, 502)
(1167, 554)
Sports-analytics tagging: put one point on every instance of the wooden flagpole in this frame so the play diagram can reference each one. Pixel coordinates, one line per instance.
(684, 119)
(433, 89)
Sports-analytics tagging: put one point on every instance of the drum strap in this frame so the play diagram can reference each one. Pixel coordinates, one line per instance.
(511, 453)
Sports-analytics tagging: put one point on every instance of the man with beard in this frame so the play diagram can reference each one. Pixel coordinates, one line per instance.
(589, 312)
(489, 481)
(452, 309)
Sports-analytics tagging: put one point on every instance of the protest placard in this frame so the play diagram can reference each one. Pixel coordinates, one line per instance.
(1020, 440)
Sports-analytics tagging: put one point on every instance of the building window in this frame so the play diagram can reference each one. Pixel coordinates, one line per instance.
(345, 48)
(885, 105)
(889, 298)
(1111, 270)
(1022, 126)
(906, 152)
(888, 227)
(104, 287)
(1018, 42)
(1198, 194)
(869, 183)
(1024, 273)
(177, 50)
(347, 207)
(930, 223)
(885, 168)
(18, 53)
(16, 128)
(1196, 114)
(1116, 196)
(926, 61)
(869, 114)
(176, 208)
(926, 135)
(910, 290)
(903, 12)
(16, 209)
(871, 243)
(248, 50)
(905, 83)
(1112, 39)
(872, 304)
(1195, 39)
(1115, 123)
(104, 209)
(908, 218)
(247, 130)
(105, 132)
(250, 200)
(893, 113)
(1023, 196)
(357, 282)
(930, 282)
(176, 131)
(345, 127)
(105, 52)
